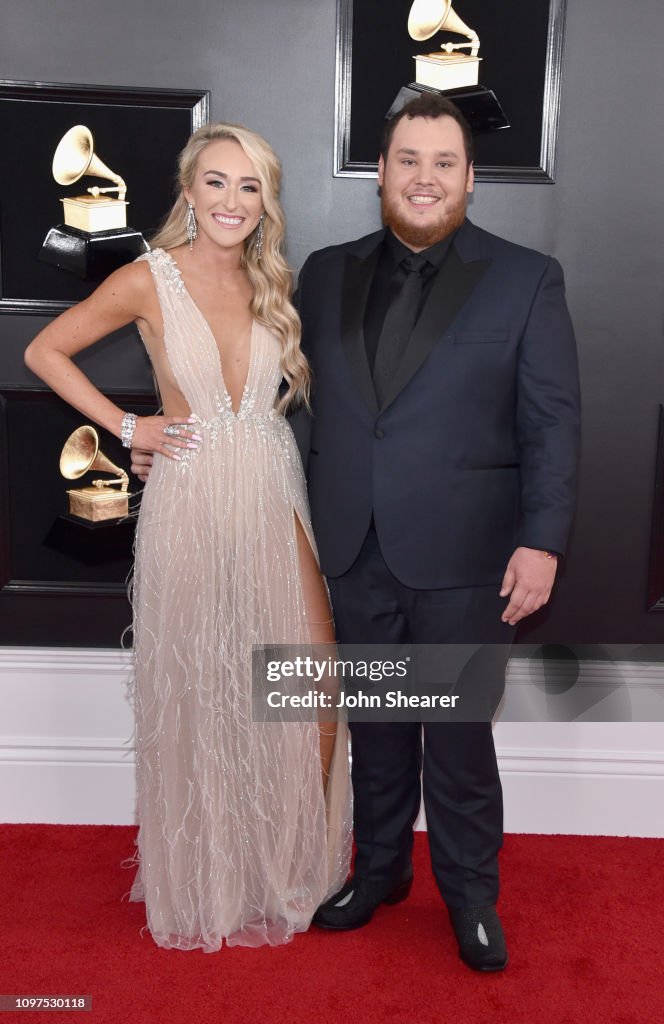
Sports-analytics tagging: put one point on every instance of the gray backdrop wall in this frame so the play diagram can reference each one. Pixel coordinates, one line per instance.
(270, 63)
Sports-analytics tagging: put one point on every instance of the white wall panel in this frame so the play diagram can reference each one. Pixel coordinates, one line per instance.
(66, 754)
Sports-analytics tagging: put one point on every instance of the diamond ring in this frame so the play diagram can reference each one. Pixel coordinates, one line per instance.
(172, 430)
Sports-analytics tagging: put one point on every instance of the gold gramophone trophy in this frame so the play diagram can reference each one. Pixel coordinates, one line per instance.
(448, 70)
(99, 502)
(94, 239)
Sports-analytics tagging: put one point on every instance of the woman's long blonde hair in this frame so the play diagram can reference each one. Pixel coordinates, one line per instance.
(270, 276)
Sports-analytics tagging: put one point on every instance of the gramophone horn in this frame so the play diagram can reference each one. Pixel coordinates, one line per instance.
(75, 157)
(81, 454)
(430, 16)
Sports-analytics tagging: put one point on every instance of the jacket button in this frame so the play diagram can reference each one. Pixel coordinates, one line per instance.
(380, 434)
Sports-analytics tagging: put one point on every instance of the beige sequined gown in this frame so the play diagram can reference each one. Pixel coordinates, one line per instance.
(237, 842)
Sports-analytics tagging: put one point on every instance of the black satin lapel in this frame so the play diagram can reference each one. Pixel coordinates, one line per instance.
(451, 289)
(358, 275)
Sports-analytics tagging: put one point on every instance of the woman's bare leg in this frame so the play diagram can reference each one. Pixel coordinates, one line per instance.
(321, 629)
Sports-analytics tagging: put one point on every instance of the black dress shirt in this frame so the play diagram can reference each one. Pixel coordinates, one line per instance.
(386, 281)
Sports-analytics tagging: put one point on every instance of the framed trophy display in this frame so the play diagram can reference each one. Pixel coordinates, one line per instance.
(500, 63)
(91, 175)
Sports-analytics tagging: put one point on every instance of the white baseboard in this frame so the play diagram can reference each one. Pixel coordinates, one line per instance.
(579, 789)
(66, 754)
(65, 736)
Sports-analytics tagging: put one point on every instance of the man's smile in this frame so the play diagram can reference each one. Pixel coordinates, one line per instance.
(422, 199)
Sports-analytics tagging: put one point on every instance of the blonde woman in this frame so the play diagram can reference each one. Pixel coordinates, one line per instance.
(244, 826)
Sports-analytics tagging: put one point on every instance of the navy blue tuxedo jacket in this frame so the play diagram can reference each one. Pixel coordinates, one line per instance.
(474, 451)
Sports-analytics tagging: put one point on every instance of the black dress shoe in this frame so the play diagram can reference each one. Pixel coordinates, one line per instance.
(354, 905)
(480, 937)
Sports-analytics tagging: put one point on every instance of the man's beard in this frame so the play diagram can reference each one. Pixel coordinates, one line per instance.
(421, 236)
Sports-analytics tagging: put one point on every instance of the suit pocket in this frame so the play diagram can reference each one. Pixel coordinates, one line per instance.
(481, 337)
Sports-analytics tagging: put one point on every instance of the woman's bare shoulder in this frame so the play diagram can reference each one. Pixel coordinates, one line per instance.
(135, 277)
(130, 287)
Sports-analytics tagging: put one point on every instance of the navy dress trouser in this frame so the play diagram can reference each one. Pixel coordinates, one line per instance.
(456, 761)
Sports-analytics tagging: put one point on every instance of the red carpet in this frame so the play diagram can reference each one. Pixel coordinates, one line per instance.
(584, 919)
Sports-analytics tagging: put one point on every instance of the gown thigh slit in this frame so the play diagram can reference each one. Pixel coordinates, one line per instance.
(239, 841)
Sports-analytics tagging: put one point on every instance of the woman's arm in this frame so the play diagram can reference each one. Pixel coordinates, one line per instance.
(124, 297)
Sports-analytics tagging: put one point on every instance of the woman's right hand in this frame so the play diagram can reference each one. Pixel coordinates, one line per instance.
(151, 435)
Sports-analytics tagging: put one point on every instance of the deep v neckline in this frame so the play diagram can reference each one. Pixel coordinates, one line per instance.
(211, 337)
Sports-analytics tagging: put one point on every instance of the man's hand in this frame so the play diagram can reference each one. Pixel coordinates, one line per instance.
(528, 579)
(141, 463)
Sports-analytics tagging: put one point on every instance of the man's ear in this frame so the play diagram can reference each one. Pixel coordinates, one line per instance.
(381, 170)
(470, 180)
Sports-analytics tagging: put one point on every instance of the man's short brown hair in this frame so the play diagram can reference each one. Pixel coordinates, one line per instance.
(429, 104)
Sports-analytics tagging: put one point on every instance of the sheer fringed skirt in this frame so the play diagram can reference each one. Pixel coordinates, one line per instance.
(237, 842)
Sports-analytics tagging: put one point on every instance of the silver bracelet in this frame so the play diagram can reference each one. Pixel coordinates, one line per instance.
(127, 429)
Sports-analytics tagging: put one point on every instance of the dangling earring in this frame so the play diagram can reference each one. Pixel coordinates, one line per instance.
(192, 227)
(259, 237)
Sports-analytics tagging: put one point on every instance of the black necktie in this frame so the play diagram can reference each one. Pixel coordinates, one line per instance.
(399, 322)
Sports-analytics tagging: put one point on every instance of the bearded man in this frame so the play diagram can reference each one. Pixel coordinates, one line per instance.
(441, 477)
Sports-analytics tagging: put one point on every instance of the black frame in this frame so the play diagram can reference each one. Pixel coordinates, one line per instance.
(137, 132)
(357, 71)
(656, 561)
